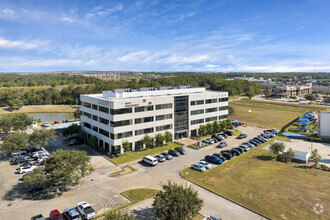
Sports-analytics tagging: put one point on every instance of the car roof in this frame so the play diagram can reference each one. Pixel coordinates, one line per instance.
(83, 204)
(55, 212)
(150, 157)
(71, 211)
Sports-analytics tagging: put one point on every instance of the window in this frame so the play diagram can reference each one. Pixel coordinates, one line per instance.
(115, 149)
(211, 119)
(163, 117)
(95, 118)
(104, 109)
(197, 112)
(211, 110)
(144, 131)
(121, 123)
(121, 135)
(223, 117)
(104, 121)
(87, 105)
(164, 106)
(95, 128)
(164, 127)
(138, 145)
(223, 99)
(197, 102)
(94, 107)
(144, 120)
(87, 115)
(180, 114)
(144, 108)
(223, 108)
(87, 125)
(197, 121)
(181, 124)
(103, 132)
(208, 101)
(120, 111)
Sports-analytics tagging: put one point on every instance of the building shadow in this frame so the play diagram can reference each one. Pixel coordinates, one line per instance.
(265, 157)
(144, 214)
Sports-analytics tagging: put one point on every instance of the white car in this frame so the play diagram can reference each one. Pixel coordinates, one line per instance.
(45, 124)
(205, 164)
(26, 169)
(150, 160)
(38, 154)
(43, 158)
(86, 210)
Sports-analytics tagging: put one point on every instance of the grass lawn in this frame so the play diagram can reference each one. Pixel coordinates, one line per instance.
(39, 109)
(268, 114)
(272, 188)
(131, 156)
(41, 87)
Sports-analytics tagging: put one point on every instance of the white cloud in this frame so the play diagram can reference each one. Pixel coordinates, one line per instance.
(4, 43)
(67, 19)
(211, 66)
(7, 13)
(99, 11)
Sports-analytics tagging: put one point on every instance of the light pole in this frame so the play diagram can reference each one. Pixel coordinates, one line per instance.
(246, 117)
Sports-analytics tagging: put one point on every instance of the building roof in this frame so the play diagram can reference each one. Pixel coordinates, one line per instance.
(300, 155)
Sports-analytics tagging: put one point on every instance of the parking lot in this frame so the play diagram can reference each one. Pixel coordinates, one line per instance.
(103, 192)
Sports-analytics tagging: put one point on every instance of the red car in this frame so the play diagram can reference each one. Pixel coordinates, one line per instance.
(3, 138)
(240, 123)
(55, 215)
(270, 130)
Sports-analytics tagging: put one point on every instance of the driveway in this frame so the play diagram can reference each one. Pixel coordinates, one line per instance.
(103, 192)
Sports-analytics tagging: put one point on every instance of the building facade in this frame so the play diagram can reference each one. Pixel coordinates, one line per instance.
(291, 91)
(324, 125)
(127, 114)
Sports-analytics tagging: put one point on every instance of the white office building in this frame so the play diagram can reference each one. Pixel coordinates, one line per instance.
(128, 114)
(324, 125)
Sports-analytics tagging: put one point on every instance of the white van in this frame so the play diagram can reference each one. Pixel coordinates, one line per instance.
(150, 160)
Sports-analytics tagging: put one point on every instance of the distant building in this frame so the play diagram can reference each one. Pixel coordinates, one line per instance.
(323, 89)
(265, 83)
(291, 91)
(104, 76)
(324, 125)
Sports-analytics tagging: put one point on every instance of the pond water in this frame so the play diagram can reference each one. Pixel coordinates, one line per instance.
(48, 117)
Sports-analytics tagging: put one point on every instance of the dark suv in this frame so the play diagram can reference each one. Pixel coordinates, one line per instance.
(174, 153)
(180, 150)
(229, 133)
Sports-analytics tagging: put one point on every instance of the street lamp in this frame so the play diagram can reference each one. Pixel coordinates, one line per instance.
(246, 116)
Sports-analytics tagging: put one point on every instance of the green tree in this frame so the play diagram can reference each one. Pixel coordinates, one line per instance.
(209, 128)
(77, 114)
(6, 123)
(315, 157)
(82, 135)
(68, 166)
(224, 124)
(277, 147)
(126, 145)
(92, 141)
(216, 126)
(112, 215)
(250, 92)
(310, 97)
(168, 136)
(231, 111)
(20, 121)
(267, 92)
(38, 176)
(148, 141)
(159, 139)
(202, 130)
(287, 156)
(40, 137)
(229, 124)
(15, 141)
(73, 129)
(176, 202)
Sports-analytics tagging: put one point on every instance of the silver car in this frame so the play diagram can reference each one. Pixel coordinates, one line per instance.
(198, 167)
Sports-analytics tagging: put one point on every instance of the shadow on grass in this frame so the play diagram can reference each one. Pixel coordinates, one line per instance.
(265, 157)
(304, 167)
(145, 214)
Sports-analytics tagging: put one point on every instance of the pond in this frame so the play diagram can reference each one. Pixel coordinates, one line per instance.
(48, 117)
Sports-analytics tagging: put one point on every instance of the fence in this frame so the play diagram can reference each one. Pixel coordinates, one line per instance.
(288, 124)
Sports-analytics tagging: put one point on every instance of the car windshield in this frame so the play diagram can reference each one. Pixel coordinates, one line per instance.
(89, 210)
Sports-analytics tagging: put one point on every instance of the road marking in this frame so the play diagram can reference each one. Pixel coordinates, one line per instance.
(107, 173)
(115, 196)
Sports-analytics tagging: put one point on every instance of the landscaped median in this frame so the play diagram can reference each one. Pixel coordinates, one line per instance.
(131, 156)
(274, 189)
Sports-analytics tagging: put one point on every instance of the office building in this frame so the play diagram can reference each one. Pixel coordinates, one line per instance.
(324, 125)
(291, 91)
(128, 114)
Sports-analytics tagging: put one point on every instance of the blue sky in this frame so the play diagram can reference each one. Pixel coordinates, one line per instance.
(165, 35)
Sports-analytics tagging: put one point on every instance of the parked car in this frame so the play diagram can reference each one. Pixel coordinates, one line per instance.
(236, 152)
(198, 167)
(45, 124)
(180, 150)
(38, 154)
(248, 144)
(38, 217)
(260, 139)
(269, 134)
(75, 141)
(160, 158)
(241, 136)
(208, 140)
(205, 164)
(21, 159)
(239, 149)
(224, 135)
(26, 169)
(71, 214)
(254, 142)
(216, 140)
(35, 187)
(222, 144)
(275, 131)
(263, 138)
(26, 164)
(42, 159)
(3, 138)
(230, 133)
(257, 140)
(32, 149)
(167, 156)
(16, 152)
(55, 215)
(150, 160)
(86, 210)
(220, 137)
(245, 148)
(213, 159)
(227, 155)
(174, 153)
(233, 121)
(239, 123)
(220, 156)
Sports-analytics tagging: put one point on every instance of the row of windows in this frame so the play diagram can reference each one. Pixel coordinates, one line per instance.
(121, 135)
(163, 117)
(164, 106)
(201, 121)
(144, 108)
(223, 108)
(208, 101)
(197, 112)
(121, 123)
(164, 127)
(144, 120)
(208, 110)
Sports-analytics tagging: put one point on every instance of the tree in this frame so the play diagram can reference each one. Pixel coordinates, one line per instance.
(177, 202)
(6, 123)
(267, 92)
(38, 176)
(92, 141)
(147, 140)
(68, 166)
(277, 147)
(21, 121)
(40, 137)
(168, 136)
(315, 157)
(15, 141)
(288, 155)
(77, 114)
(159, 139)
(126, 145)
(82, 135)
(231, 110)
(202, 130)
(224, 124)
(216, 126)
(209, 128)
(73, 129)
(229, 124)
(310, 97)
(119, 216)
(250, 92)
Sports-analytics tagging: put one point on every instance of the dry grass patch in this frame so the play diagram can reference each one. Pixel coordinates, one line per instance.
(40, 109)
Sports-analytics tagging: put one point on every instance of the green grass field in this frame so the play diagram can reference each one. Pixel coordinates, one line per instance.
(40, 87)
(268, 114)
(277, 190)
(131, 156)
(40, 109)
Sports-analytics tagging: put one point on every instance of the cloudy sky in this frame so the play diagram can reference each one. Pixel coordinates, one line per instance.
(165, 35)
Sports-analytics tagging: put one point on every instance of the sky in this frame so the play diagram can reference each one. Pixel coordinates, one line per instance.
(165, 35)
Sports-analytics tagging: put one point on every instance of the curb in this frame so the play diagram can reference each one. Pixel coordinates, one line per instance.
(223, 197)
